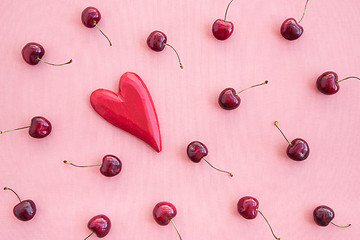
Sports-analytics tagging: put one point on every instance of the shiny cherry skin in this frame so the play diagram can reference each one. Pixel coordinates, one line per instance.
(247, 207)
(89, 15)
(111, 166)
(31, 52)
(323, 215)
(196, 151)
(25, 210)
(228, 99)
(156, 41)
(40, 127)
(222, 30)
(100, 225)
(291, 30)
(327, 83)
(298, 150)
(163, 212)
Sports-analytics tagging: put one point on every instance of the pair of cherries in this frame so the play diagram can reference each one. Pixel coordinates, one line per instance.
(33, 52)
(290, 28)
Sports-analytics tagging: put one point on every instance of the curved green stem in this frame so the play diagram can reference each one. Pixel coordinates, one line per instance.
(6, 188)
(217, 168)
(347, 79)
(304, 11)
(340, 225)
(175, 228)
(276, 124)
(266, 82)
(181, 66)
(1, 132)
(52, 64)
(268, 224)
(89, 235)
(227, 9)
(67, 162)
(103, 33)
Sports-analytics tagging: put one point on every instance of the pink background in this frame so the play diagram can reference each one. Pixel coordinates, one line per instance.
(243, 141)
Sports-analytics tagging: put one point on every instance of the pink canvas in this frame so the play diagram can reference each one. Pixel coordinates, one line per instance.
(243, 141)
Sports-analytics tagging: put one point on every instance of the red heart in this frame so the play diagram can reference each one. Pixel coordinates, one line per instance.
(132, 109)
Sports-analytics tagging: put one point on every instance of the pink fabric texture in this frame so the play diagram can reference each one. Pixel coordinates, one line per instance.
(243, 141)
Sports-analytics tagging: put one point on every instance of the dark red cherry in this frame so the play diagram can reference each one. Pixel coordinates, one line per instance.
(100, 225)
(111, 165)
(40, 127)
(248, 207)
(323, 215)
(229, 99)
(157, 41)
(298, 148)
(90, 16)
(163, 214)
(327, 83)
(223, 29)
(291, 30)
(32, 53)
(196, 151)
(25, 210)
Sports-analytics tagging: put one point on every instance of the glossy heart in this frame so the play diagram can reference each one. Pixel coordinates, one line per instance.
(132, 109)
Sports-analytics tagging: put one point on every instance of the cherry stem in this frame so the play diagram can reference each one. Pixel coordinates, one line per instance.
(276, 124)
(268, 224)
(103, 33)
(52, 64)
(1, 132)
(341, 226)
(304, 11)
(217, 168)
(175, 228)
(6, 188)
(266, 82)
(89, 235)
(67, 162)
(347, 79)
(227, 9)
(181, 66)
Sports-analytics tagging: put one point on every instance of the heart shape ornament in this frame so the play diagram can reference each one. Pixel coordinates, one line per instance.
(132, 109)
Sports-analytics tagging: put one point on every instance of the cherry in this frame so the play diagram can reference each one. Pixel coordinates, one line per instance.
(298, 148)
(90, 17)
(25, 210)
(328, 82)
(229, 99)
(223, 29)
(111, 165)
(157, 41)
(290, 29)
(248, 207)
(197, 151)
(33, 52)
(163, 214)
(323, 215)
(40, 127)
(100, 225)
